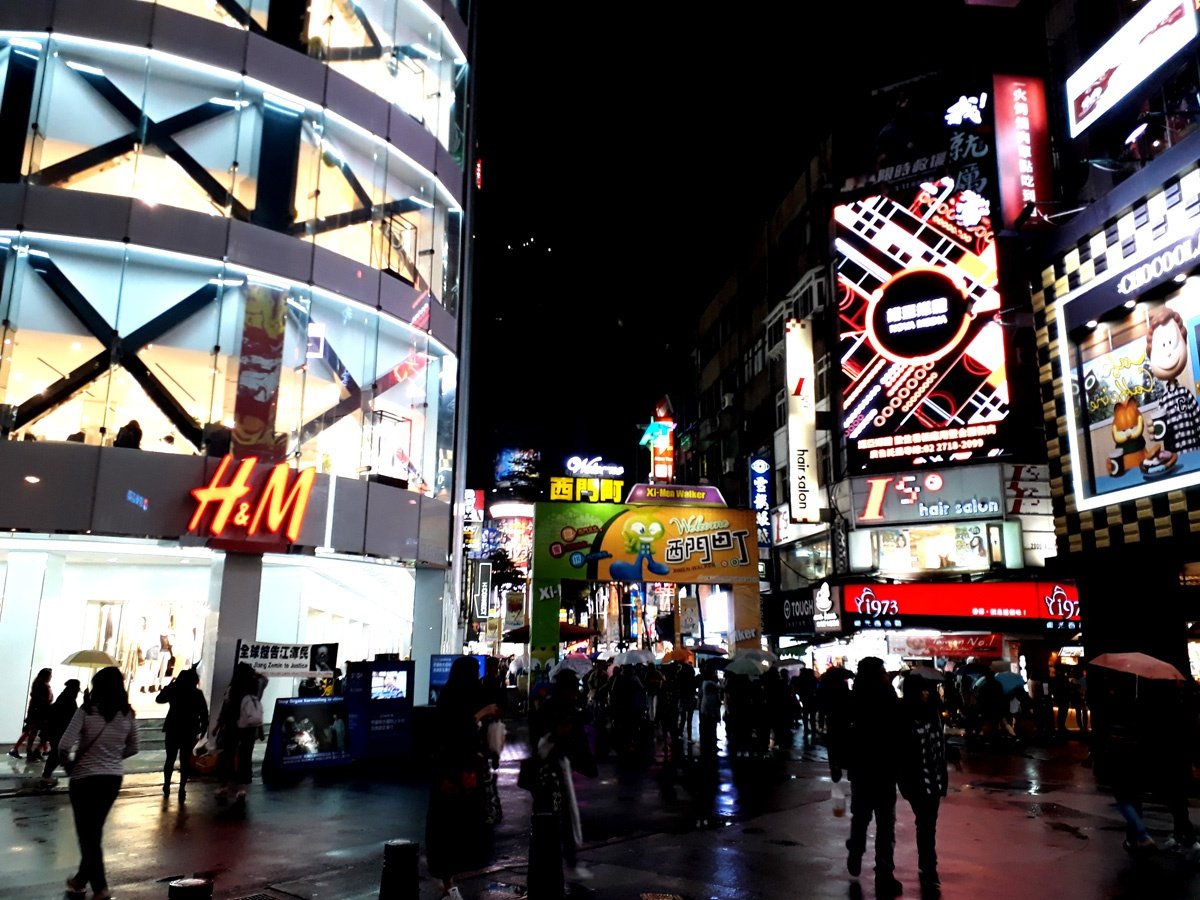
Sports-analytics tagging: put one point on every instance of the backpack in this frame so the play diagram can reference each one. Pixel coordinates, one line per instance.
(250, 714)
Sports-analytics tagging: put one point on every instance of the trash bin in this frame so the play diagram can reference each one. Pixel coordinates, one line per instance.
(190, 889)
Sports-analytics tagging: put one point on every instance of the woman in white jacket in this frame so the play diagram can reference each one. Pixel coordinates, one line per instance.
(102, 734)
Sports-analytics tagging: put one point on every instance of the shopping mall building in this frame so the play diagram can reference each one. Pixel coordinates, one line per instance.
(240, 225)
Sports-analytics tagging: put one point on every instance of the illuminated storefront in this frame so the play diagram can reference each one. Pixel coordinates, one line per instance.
(235, 244)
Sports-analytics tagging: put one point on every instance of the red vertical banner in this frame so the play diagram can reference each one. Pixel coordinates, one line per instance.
(259, 364)
(1022, 145)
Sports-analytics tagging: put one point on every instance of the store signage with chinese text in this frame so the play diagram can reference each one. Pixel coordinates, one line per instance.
(762, 498)
(803, 478)
(1159, 30)
(1051, 604)
(928, 495)
(1022, 144)
(593, 490)
(275, 502)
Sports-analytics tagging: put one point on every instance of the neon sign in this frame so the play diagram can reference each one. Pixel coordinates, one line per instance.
(276, 501)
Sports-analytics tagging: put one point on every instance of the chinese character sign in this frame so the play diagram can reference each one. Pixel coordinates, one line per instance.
(289, 660)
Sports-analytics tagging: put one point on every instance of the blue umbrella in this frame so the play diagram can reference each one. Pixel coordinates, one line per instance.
(1010, 681)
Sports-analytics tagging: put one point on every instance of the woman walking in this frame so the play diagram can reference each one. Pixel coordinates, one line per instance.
(185, 724)
(102, 734)
(239, 724)
(41, 697)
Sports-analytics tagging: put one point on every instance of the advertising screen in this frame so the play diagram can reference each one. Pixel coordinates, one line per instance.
(924, 378)
(309, 733)
(390, 684)
(439, 671)
(1136, 411)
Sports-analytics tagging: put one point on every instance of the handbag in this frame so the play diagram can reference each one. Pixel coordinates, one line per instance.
(493, 813)
(496, 735)
(68, 761)
(527, 775)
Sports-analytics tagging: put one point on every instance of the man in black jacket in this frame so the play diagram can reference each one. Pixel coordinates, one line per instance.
(873, 746)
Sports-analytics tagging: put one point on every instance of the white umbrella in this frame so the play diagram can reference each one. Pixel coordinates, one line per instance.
(580, 665)
(92, 659)
(744, 665)
(634, 657)
(758, 656)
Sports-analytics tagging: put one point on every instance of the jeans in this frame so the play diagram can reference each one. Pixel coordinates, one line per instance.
(182, 749)
(1135, 828)
(925, 811)
(872, 798)
(91, 799)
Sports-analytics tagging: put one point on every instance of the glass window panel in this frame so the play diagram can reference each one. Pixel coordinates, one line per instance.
(350, 186)
(302, 345)
(205, 9)
(337, 386)
(399, 425)
(87, 98)
(446, 400)
(192, 126)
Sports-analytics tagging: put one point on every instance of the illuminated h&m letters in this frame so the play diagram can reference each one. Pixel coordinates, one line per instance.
(276, 501)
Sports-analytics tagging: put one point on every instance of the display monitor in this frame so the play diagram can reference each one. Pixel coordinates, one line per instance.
(389, 684)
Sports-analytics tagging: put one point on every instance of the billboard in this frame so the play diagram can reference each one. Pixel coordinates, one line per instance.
(1047, 604)
(924, 379)
(516, 468)
(1022, 144)
(803, 478)
(1160, 29)
(932, 495)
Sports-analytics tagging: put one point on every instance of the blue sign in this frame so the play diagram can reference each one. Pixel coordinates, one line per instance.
(762, 497)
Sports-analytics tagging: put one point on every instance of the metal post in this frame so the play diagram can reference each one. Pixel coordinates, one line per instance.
(545, 879)
(400, 880)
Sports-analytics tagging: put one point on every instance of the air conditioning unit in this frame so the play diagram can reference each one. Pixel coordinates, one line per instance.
(727, 401)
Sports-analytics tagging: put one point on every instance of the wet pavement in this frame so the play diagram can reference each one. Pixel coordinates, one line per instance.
(1018, 822)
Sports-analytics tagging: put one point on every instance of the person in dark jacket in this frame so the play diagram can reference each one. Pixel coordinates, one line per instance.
(455, 831)
(235, 743)
(41, 696)
(185, 723)
(57, 720)
(129, 435)
(873, 738)
(923, 778)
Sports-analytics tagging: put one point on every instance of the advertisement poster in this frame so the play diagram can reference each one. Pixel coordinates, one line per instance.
(803, 475)
(289, 660)
(923, 360)
(1137, 407)
(617, 542)
(379, 703)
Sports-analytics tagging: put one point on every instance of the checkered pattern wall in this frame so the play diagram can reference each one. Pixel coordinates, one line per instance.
(1172, 514)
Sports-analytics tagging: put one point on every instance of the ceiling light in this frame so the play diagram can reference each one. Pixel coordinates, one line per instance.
(32, 479)
(1092, 323)
(1130, 304)
(1181, 278)
(1136, 133)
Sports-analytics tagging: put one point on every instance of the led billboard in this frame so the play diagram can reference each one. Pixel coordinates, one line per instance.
(924, 375)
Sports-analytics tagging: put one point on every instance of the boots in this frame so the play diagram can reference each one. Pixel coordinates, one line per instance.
(167, 787)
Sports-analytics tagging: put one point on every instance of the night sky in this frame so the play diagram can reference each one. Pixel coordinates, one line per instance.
(629, 157)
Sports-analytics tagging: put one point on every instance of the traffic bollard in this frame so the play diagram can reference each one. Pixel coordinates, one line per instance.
(400, 879)
(545, 879)
(190, 889)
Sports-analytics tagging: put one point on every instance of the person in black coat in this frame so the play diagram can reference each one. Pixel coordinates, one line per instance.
(874, 735)
(923, 777)
(61, 712)
(455, 831)
(185, 724)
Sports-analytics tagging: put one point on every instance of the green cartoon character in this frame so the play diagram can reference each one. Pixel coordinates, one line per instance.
(641, 533)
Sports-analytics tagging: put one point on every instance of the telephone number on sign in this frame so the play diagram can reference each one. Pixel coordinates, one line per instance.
(951, 446)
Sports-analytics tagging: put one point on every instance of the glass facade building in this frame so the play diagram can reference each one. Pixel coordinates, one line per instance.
(240, 225)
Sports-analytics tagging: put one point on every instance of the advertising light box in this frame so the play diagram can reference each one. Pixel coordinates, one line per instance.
(924, 376)
(1049, 605)
(935, 495)
(1160, 29)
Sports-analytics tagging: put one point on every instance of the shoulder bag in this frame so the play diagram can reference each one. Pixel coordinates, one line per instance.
(69, 764)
